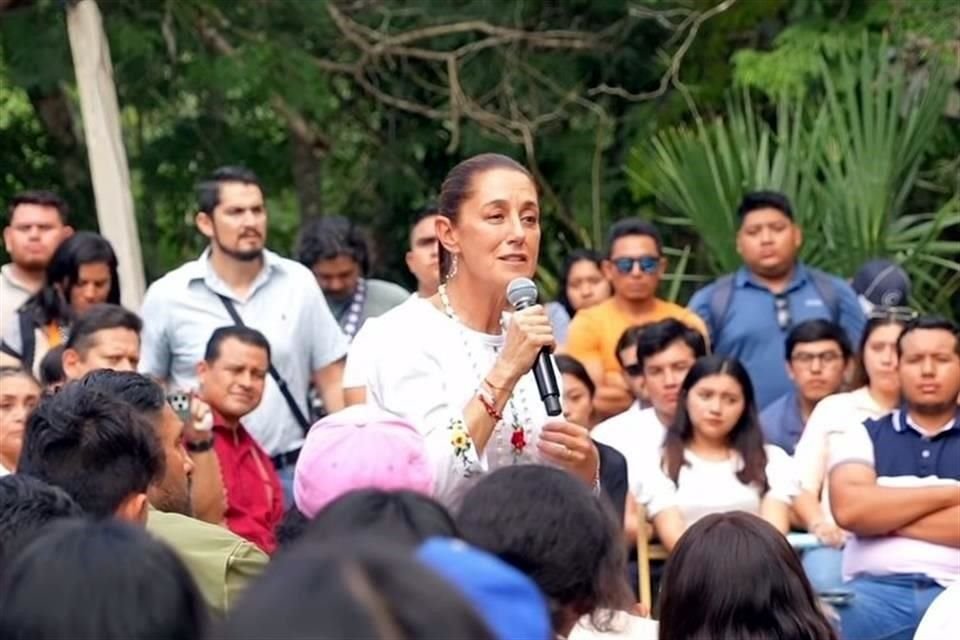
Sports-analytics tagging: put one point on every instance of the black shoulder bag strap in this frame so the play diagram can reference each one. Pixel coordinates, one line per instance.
(281, 383)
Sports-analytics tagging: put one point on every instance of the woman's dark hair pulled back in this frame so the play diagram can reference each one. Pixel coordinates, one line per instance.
(457, 188)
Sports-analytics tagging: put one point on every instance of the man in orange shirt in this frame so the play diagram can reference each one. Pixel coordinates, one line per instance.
(634, 266)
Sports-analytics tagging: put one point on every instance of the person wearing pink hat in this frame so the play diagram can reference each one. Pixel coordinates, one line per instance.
(360, 447)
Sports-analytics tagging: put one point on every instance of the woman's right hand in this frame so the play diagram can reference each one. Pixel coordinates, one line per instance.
(528, 331)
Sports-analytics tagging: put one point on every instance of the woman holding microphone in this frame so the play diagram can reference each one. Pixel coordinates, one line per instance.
(458, 365)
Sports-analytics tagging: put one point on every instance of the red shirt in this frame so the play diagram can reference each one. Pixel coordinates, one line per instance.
(254, 494)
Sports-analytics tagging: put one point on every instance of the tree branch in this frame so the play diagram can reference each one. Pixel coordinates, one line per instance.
(673, 70)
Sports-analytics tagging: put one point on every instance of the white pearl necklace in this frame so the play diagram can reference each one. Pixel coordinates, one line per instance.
(520, 429)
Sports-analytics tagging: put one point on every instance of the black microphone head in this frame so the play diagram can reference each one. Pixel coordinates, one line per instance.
(521, 292)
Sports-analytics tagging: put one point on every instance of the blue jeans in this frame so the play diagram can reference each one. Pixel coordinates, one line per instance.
(286, 481)
(886, 607)
(824, 568)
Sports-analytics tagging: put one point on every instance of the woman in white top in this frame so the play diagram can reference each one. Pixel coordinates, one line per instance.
(877, 392)
(457, 365)
(19, 394)
(714, 459)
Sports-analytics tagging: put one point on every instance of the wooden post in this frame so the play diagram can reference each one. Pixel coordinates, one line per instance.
(104, 139)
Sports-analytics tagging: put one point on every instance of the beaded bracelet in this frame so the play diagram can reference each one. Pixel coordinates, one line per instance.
(489, 406)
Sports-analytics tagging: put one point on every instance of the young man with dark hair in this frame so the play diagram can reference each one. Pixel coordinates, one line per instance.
(232, 376)
(634, 266)
(337, 251)
(107, 336)
(422, 256)
(895, 484)
(36, 224)
(663, 353)
(818, 355)
(221, 562)
(27, 505)
(96, 448)
(750, 311)
(236, 278)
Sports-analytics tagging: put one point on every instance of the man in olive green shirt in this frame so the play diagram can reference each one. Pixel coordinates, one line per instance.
(221, 562)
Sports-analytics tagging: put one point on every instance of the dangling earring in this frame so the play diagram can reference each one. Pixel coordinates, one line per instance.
(453, 267)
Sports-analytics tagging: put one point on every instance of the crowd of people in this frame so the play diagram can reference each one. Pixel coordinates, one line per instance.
(292, 448)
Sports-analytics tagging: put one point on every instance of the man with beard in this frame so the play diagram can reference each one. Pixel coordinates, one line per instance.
(750, 312)
(895, 484)
(237, 281)
(221, 562)
(36, 225)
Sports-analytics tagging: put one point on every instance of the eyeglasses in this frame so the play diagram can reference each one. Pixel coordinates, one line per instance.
(903, 314)
(647, 264)
(782, 306)
(826, 358)
(634, 370)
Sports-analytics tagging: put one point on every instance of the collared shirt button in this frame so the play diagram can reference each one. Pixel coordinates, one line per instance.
(925, 453)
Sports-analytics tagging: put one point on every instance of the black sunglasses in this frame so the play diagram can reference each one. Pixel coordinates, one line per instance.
(634, 370)
(782, 305)
(647, 264)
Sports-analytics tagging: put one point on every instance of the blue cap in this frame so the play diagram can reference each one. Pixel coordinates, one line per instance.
(507, 600)
(882, 283)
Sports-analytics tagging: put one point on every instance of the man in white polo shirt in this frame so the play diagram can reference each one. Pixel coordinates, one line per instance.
(278, 297)
(895, 483)
(656, 360)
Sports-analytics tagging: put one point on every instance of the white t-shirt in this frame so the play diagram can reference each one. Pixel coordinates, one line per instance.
(942, 617)
(433, 368)
(638, 435)
(366, 348)
(831, 417)
(708, 486)
(4, 471)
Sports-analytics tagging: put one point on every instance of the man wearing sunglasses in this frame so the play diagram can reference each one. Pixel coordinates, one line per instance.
(634, 267)
(750, 312)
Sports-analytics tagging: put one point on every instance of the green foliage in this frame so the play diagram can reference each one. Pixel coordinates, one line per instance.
(848, 157)
(190, 104)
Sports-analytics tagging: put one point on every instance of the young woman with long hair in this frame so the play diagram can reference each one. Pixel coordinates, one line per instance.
(876, 393)
(82, 273)
(582, 285)
(714, 459)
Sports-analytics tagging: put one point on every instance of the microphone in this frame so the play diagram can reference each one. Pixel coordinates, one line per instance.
(522, 293)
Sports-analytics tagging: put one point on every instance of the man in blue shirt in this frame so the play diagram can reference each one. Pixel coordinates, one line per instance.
(817, 353)
(750, 311)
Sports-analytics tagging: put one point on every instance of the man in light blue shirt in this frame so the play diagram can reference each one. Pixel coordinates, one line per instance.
(277, 296)
(749, 312)
(817, 354)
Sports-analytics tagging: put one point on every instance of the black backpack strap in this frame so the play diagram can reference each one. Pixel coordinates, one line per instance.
(28, 338)
(281, 383)
(720, 298)
(7, 349)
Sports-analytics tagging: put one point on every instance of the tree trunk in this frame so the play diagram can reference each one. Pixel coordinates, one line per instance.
(53, 111)
(306, 161)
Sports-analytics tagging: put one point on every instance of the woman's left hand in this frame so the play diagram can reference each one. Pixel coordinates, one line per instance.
(569, 446)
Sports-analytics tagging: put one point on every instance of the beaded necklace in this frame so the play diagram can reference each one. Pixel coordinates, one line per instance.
(520, 425)
(350, 319)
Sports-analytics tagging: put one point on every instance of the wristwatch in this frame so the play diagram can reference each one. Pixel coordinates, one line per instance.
(200, 446)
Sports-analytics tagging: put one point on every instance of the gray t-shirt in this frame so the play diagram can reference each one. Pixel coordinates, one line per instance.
(381, 297)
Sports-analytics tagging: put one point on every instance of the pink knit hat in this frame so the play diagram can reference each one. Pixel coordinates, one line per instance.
(361, 447)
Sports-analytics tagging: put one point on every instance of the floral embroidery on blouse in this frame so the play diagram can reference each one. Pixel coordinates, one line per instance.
(462, 444)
